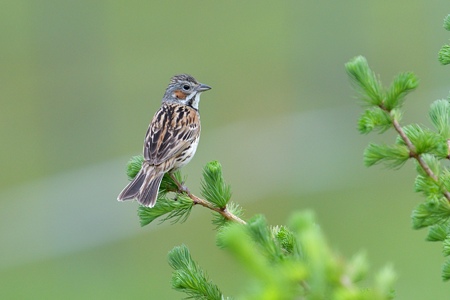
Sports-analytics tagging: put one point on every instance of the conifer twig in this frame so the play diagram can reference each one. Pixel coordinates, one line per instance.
(224, 212)
(413, 153)
(197, 200)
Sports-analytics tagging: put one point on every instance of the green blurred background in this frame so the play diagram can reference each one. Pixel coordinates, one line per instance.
(80, 81)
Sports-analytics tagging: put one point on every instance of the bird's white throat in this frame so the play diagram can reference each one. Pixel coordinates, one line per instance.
(193, 102)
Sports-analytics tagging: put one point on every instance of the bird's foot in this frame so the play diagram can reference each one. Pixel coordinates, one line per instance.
(181, 187)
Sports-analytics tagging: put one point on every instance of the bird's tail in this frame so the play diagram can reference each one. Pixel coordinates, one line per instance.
(144, 187)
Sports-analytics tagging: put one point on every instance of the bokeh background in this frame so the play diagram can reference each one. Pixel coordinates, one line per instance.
(80, 80)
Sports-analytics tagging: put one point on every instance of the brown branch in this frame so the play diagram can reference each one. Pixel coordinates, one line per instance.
(197, 200)
(224, 212)
(413, 153)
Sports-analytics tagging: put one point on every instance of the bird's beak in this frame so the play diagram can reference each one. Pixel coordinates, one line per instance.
(203, 87)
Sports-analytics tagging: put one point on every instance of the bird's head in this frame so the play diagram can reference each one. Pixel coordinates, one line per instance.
(185, 89)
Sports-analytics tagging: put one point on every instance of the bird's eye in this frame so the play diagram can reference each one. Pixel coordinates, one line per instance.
(186, 87)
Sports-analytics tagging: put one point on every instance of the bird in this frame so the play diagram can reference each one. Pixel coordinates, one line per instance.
(171, 139)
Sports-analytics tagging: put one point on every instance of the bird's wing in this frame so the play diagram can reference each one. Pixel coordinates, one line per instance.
(172, 130)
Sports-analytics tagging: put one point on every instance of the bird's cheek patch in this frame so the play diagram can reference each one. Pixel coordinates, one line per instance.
(180, 95)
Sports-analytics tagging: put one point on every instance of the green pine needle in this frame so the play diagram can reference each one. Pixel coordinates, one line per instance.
(286, 240)
(444, 55)
(365, 81)
(432, 162)
(403, 84)
(397, 114)
(189, 278)
(447, 22)
(315, 250)
(440, 117)
(444, 179)
(434, 211)
(446, 247)
(437, 233)
(430, 188)
(175, 210)
(219, 220)
(168, 185)
(391, 156)
(374, 118)
(385, 280)
(235, 238)
(423, 139)
(261, 234)
(214, 188)
(134, 166)
(427, 186)
(358, 267)
(272, 280)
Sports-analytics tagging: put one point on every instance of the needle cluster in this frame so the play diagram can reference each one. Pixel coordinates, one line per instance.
(444, 53)
(175, 201)
(282, 262)
(427, 147)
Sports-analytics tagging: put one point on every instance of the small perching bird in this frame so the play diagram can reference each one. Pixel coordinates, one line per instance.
(171, 139)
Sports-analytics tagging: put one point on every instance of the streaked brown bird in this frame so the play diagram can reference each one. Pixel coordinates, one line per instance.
(171, 139)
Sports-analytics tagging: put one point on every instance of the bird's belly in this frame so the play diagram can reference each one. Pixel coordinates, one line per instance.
(186, 155)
